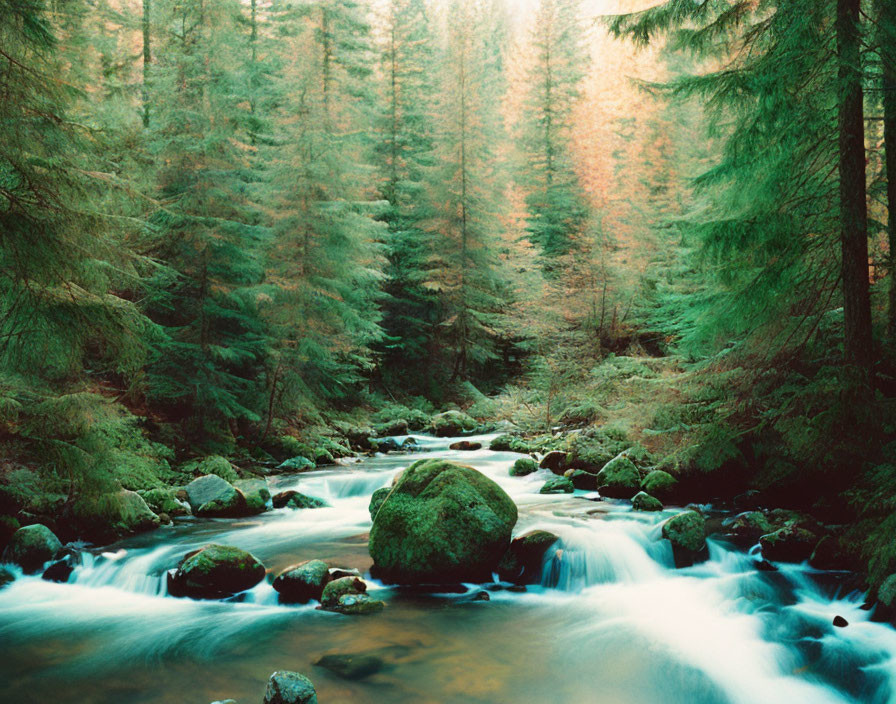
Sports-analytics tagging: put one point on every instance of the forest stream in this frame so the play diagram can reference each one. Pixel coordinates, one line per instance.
(612, 620)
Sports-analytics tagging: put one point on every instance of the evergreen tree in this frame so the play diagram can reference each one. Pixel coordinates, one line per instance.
(206, 229)
(464, 269)
(403, 153)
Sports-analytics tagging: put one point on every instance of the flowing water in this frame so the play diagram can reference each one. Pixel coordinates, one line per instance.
(612, 621)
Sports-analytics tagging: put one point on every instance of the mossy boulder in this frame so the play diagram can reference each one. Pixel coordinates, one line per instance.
(619, 479)
(299, 463)
(645, 502)
(303, 582)
(523, 467)
(660, 484)
(338, 588)
(112, 515)
(301, 501)
(357, 605)
(452, 423)
(510, 443)
(165, 500)
(790, 544)
(558, 485)
(377, 499)
(586, 481)
(256, 494)
(748, 527)
(687, 534)
(465, 446)
(392, 428)
(287, 687)
(358, 436)
(215, 572)
(522, 562)
(442, 522)
(211, 496)
(32, 547)
(556, 461)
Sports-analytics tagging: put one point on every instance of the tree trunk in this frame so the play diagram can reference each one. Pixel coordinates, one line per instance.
(853, 202)
(886, 39)
(147, 59)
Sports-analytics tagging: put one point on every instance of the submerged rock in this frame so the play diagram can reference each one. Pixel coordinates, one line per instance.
(558, 485)
(303, 582)
(211, 496)
(452, 423)
(619, 479)
(645, 502)
(215, 572)
(32, 547)
(351, 667)
(840, 622)
(287, 687)
(523, 560)
(442, 522)
(687, 533)
(523, 467)
(557, 461)
(465, 446)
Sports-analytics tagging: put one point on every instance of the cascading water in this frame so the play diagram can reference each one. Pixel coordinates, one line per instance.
(612, 621)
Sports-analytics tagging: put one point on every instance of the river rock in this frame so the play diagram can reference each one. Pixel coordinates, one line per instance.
(297, 464)
(300, 501)
(660, 484)
(377, 499)
(303, 582)
(556, 461)
(523, 466)
(211, 496)
(645, 502)
(522, 562)
(465, 446)
(687, 533)
(287, 687)
(509, 443)
(337, 588)
(111, 515)
(215, 572)
(393, 427)
(351, 667)
(32, 547)
(557, 485)
(790, 544)
(619, 479)
(586, 481)
(442, 522)
(256, 494)
(357, 605)
(165, 500)
(748, 526)
(452, 423)
(840, 622)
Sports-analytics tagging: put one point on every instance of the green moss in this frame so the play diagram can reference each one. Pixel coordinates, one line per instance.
(646, 502)
(558, 485)
(686, 530)
(213, 464)
(523, 466)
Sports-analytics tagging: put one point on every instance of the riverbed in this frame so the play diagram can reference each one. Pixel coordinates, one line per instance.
(612, 622)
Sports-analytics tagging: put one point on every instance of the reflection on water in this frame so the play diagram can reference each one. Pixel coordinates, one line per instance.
(611, 623)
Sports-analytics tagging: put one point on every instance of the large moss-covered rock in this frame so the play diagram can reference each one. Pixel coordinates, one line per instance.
(522, 562)
(303, 582)
(509, 443)
(557, 485)
(645, 502)
(452, 423)
(619, 479)
(687, 533)
(790, 544)
(215, 572)
(660, 484)
(32, 547)
(256, 494)
(377, 499)
(523, 466)
(165, 500)
(112, 515)
(211, 496)
(391, 428)
(441, 522)
(287, 687)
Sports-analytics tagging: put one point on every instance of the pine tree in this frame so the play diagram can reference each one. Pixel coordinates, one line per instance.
(206, 229)
(464, 267)
(403, 153)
